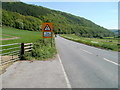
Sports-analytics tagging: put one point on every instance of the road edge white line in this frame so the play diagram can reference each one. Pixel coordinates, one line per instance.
(111, 61)
(86, 51)
(66, 77)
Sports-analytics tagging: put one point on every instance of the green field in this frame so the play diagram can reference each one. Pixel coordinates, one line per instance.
(109, 43)
(24, 35)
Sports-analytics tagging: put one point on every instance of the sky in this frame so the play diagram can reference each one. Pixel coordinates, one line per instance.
(104, 14)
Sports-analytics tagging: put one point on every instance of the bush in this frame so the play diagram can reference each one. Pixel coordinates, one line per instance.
(42, 50)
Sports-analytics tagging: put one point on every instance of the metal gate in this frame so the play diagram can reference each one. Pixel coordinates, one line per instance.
(12, 52)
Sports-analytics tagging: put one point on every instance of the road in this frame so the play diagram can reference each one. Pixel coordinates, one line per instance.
(86, 66)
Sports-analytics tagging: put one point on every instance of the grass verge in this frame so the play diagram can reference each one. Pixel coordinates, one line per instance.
(42, 50)
(101, 43)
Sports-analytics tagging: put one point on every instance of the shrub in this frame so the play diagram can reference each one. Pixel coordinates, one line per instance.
(42, 50)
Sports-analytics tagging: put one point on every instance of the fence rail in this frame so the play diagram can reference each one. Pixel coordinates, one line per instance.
(12, 52)
(10, 44)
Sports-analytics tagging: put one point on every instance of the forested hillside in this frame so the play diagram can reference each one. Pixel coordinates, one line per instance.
(19, 21)
(30, 17)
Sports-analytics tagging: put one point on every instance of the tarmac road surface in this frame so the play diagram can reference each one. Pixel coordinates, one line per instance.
(87, 66)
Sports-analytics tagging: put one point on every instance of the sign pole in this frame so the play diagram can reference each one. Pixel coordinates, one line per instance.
(51, 42)
(47, 31)
(43, 40)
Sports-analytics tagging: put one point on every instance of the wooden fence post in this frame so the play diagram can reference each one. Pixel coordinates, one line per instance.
(22, 49)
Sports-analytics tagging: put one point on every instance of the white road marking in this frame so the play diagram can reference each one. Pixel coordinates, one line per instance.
(111, 61)
(66, 78)
(86, 51)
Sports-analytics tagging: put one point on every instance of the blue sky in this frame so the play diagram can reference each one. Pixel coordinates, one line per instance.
(102, 13)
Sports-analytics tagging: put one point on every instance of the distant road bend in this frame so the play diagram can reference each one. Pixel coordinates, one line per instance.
(87, 66)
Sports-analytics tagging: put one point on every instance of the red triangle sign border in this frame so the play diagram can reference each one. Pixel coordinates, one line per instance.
(47, 25)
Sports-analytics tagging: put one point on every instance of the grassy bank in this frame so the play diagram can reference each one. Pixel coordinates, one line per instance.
(109, 44)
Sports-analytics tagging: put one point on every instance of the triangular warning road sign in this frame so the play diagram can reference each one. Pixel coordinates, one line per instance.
(47, 28)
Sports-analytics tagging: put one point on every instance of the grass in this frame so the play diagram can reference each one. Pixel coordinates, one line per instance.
(25, 36)
(105, 43)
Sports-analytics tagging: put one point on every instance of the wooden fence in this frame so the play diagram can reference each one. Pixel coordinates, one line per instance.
(13, 52)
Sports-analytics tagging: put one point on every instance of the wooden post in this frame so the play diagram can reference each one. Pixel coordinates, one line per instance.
(22, 49)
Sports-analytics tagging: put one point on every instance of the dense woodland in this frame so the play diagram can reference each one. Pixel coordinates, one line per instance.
(29, 17)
